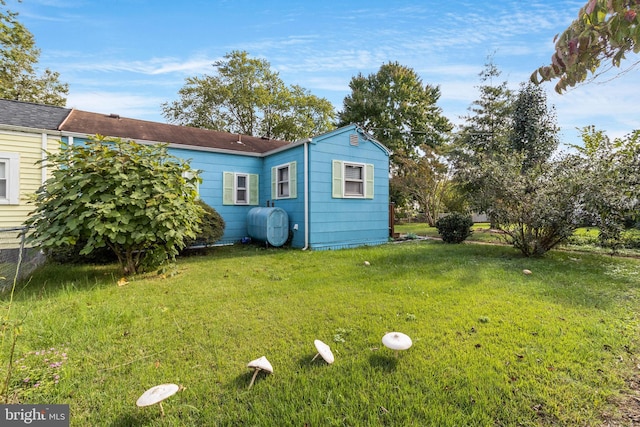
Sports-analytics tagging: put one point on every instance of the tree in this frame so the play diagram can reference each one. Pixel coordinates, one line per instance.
(18, 57)
(611, 171)
(534, 133)
(535, 199)
(135, 199)
(245, 96)
(538, 209)
(398, 109)
(485, 134)
(532, 197)
(605, 30)
(423, 181)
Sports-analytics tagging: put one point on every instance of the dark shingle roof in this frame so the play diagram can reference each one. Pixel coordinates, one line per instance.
(115, 126)
(26, 114)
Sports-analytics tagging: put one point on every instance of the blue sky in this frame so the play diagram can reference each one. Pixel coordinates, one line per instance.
(128, 57)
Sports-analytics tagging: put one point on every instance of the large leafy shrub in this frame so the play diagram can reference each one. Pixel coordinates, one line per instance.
(135, 199)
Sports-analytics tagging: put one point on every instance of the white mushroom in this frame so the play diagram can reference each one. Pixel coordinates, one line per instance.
(261, 364)
(156, 395)
(397, 341)
(525, 271)
(324, 351)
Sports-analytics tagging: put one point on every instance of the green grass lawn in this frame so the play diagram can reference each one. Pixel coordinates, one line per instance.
(585, 239)
(491, 346)
(481, 232)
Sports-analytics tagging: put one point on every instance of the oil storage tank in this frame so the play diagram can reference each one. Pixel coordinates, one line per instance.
(270, 225)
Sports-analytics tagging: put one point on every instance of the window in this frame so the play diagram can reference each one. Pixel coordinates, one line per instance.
(352, 180)
(9, 178)
(239, 188)
(283, 181)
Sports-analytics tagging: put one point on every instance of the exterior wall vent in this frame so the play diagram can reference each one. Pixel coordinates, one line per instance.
(353, 139)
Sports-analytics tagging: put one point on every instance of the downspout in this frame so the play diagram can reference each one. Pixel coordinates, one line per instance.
(306, 194)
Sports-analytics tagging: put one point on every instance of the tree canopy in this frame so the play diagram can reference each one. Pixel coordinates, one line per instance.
(245, 96)
(605, 30)
(19, 56)
(397, 108)
(503, 160)
(611, 171)
(485, 134)
(135, 199)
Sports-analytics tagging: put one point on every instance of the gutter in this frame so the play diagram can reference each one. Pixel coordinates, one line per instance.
(306, 193)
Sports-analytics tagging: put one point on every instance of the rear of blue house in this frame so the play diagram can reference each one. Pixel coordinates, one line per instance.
(333, 187)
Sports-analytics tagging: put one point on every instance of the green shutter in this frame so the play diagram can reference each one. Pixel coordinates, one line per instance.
(293, 179)
(338, 185)
(274, 183)
(253, 189)
(228, 183)
(368, 185)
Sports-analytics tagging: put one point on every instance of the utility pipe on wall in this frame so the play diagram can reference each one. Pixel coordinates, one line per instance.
(306, 194)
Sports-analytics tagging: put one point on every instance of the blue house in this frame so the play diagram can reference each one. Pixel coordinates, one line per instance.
(334, 188)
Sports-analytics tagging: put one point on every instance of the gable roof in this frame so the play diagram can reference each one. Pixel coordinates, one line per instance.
(112, 125)
(27, 114)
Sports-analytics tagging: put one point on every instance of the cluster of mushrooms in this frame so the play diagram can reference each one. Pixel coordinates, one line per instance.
(393, 340)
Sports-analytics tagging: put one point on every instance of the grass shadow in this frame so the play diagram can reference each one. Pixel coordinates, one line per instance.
(51, 279)
(133, 419)
(383, 363)
(241, 382)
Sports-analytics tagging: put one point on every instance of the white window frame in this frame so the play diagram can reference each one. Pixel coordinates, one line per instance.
(339, 180)
(362, 181)
(281, 183)
(236, 189)
(11, 178)
(230, 189)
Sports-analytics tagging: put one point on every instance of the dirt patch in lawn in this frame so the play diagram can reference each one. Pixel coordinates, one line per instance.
(628, 406)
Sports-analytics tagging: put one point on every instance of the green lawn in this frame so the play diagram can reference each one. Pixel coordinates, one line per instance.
(491, 346)
(585, 239)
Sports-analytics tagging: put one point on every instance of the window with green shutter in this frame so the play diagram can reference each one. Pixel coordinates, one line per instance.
(240, 188)
(352, 180)
(283, 181)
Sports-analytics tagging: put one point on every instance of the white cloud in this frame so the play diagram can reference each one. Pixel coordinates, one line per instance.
(124, 104)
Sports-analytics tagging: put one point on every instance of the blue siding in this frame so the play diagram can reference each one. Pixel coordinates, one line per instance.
(293, 206)
(212, 167)
(339, 223)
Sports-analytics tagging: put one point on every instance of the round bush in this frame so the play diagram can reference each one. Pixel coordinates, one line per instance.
(211, 228)
(455, 227)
